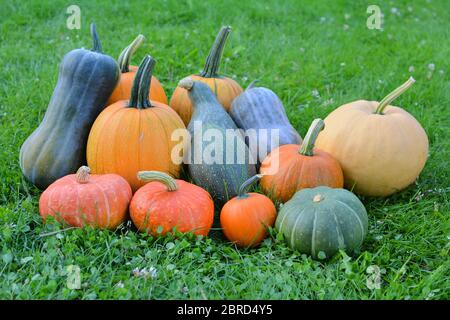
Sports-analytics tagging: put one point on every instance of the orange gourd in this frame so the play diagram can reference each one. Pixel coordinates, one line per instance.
(165, 203)
(382, 149)
(123, 89)
(130, 136)
(226, 89)
(244, 218)
(291, 167)
(81, 199)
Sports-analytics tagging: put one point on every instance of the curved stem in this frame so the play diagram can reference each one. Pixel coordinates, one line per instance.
(247, 184)
(162, 177)
(127, 53)
(252, 84)
(97, 45)
(82, 175)
(394, 95)
(307, 148)
(215, 54)
(141, 84)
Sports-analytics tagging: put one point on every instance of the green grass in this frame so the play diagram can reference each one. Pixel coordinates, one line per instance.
(295, 48)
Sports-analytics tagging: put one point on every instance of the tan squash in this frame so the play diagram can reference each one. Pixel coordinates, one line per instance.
(381, 148)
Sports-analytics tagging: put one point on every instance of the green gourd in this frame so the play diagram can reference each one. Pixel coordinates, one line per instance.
(58, 146)
(226, 165)
(322, 220)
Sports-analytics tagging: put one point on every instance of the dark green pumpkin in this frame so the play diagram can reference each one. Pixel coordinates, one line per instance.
(58, 146)
(221, 178)
(322, 220)
(260, 108)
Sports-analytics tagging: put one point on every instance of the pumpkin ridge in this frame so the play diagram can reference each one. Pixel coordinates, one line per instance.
(313, 235)
(341, 239)
(295, 225)
(105, 201)
(356, 215)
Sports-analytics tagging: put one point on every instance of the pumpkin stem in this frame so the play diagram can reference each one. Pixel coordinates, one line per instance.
(252, 84)
(394, 95)
(83, 174)
(215, 54)
(307, 148)
(186, 83)
(97, 47)
(127, 53)
(318, 198)
(242, 192)
(141, 84)
(162, 177)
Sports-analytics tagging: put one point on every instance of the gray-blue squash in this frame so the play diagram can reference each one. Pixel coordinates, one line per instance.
(215, 165)
(260, 108)
(58, 146)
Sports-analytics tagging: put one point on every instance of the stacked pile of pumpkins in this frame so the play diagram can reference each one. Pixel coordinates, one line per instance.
(371, 148)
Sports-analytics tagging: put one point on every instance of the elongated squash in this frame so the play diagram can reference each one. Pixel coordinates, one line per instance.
(58, 146)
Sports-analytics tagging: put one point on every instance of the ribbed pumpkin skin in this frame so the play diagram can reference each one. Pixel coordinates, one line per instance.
(123, 89)
(58, 146)
(260, 108)
(126, 140)
(311, 225)
(102, 202)
(296, 172)
(379, 154)
(244, 220)
(189, 209)
(221, 180)
(225, 89)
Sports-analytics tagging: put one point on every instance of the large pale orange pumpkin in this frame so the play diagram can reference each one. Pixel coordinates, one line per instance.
(130, 136)
(81, 199)
(382, 149)
(165, 204)
(245, 218)
(128, 73)
(226, 89)
(291, 167)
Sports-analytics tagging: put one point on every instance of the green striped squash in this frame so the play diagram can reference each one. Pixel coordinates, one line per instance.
(321, 221)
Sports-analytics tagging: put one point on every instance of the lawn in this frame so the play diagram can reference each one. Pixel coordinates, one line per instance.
(316, 56)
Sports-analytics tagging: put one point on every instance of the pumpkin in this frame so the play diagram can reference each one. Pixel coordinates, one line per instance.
(58, 146)
(123, 88)
(130, 136)
(322, 220)
(382, 148)
(213, 164)
(291, 167)
(244, 218)
(165, 204)
(261, 110)
(81, 199)
(226, 89)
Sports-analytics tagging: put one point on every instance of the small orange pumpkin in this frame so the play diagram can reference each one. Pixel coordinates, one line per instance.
(299, 167)
(128, 73)
(226, 89)
(130, 136)
(244, 218)
(165, 203)
(82, 199)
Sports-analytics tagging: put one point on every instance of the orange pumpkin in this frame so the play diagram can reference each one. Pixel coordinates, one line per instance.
(165, 203)
(128, 73)
(244, 218)
(82, 199)
(135, 135)
(226, 89)
(291, 167)
(382, 149)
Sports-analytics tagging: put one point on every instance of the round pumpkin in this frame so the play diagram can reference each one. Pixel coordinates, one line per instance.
(225, 89)
(130, 136)
(123, 89)
(165, 203)
(322, 220)
(291, 167)
(244, 218)
(382, 148)
(81, 199)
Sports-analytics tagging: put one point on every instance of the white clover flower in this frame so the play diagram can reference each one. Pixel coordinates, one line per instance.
(431, 66)
(411, 69)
